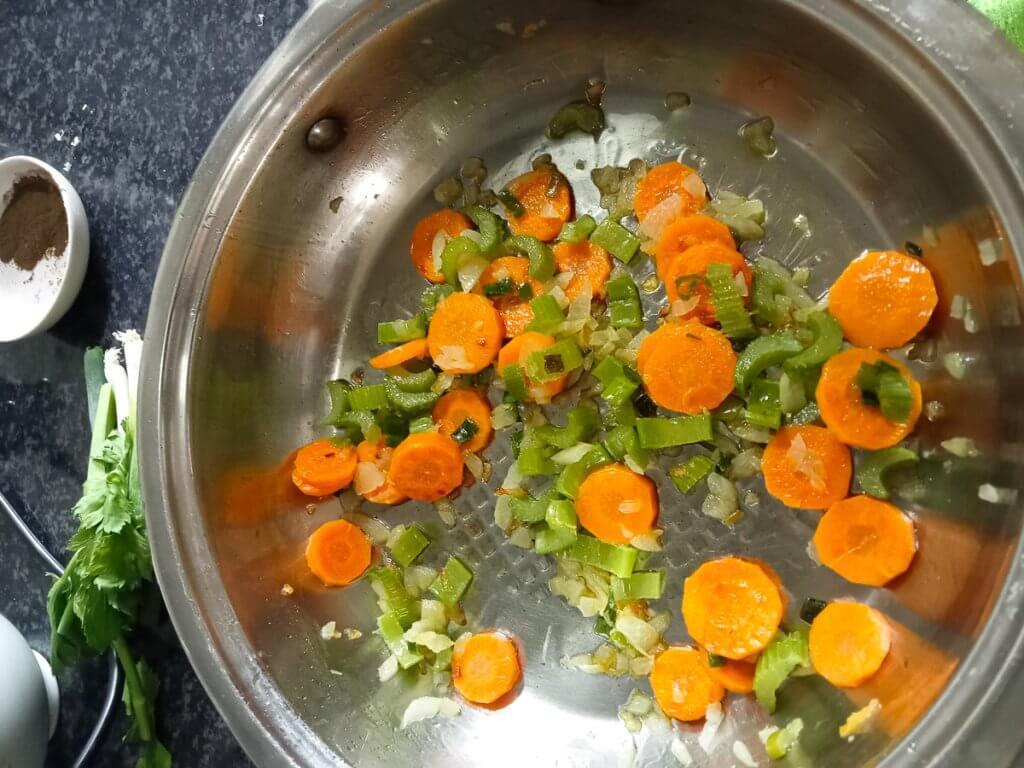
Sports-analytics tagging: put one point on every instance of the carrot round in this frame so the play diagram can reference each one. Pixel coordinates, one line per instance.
(687, 367)
(379, 453)
(735, 676)
(421, 246)
(732, 607)
(865, 540)
(682, 683)
(684, 276)
(883, 299)
(465, 333)
(426, 466)
(515, 311)
(457, 405)
(411, 350)
(322, 468)
(688, 231)
(485, 667)
(806, 467)
(665, 180)
(616, 504)
(547, 199)
(520, 348)
(588, 262)
(849, 419)
(848, 643)
(338, 552)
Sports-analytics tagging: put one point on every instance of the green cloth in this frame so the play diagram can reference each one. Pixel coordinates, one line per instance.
(1008, 15)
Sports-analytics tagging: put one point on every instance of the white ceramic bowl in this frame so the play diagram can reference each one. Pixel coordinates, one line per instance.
(29, 704)
(31, 302)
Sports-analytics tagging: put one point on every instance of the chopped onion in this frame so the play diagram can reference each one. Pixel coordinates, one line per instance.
(503, 415)
(806, 463)
(934, 410)
(470, 272)
(695, 187)
(418, 579)
(446, 511)
(964, 447)
(453, 356)
(741, 283)
(329, 631)
(368, 477)
(437, 248)
(522, 538)
(638, 632)
(503, 512)
(722, 500)
(474, 464)
(647, 542)
(388, 669)
(432, 615)
(958, 306)
(376, 531)
(995, 495)
(559, 295)
(713, 717)
(989, 251)
(683, 307)
(572, 455)
(740, 751)
(443, 382)
(641, 666)
(956, 364)
(747, 463)
(472, 234)
(428, 707)
(513, 479)
(661, 215)
(681, 753)
(435, 641)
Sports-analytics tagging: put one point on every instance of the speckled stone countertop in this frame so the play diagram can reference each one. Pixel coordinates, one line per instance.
(123, 96)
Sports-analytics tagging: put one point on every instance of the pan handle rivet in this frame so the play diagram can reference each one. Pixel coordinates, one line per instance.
(325, 134)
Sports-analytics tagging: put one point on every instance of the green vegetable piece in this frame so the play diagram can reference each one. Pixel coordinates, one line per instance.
(714, 660)
(874, 465)
(624, 309)
(729, 309)
(529, 510)
(685, 476)
(763, 353)
(776, 294)
(489, 225)
(763, 407)
(409, 402)
(338, 392)
(577, 231)
(781, 741)
(515, 381)
(549, 540)
(616, 239)
(547, 315)
(757, 133)
(432, 296)
(525, 291)
(882, 385)
(744, 217)
(681, 430)
(620, 415)
(618, 380)
(370, 397)
(420, 381)
(92, 362)
(399, 602)
(457, 253)
(568, 482)
(810, 609)
(616, 560)
(553, 362)
(510, 201)
(575, 116)
(786, 653)
(391, 631)
(421, 424)
(827, 341)
(443, 660)
(809, 414)
(561, 514)
(542, 260)
(792, 392)
(500, 288)
(583, 422)
(534, 456)
(363, 422)
(409, 545)
(641, 585)
(401, 331)
(452, 582)
(465, 431)
(623, 441)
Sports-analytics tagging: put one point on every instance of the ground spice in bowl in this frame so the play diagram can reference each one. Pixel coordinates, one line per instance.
(34, 225)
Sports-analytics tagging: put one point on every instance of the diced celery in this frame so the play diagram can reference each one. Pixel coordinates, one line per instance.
(410, 545)
(616, 239)
(681, 430)
(614, 559)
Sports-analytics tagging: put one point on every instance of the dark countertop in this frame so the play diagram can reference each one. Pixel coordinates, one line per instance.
(123, 96)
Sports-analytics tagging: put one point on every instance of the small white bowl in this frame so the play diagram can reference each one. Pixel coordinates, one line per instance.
(31, 302)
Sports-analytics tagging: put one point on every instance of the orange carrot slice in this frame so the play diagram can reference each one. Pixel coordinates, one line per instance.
(849, 419)
(547, 200)
(865, 540)
(732, 607)
(688, 231)
(322, 468)
(443, 225)
(588, 262)
(682, 683)
(465, 333)
(426, 466)
(848, 643)
(616, 504)
(735, 676)
(379, 454)
(684, 277)
(807, 467)
(457, 405)
(411, 350)
(515, 312)
(665, 180)
(883, 299)
(520, 348)
(338, 552)
(485, 667)
(687, 367)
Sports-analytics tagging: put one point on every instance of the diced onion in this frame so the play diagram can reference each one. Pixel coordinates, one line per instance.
(683, 307)
(443, 382)
(559, 295)
(806, 463)
(437, 248)
(660, 216)
(522, 538)
(956, 364)
(572, 455)
(388, 669)
(453, 356)
(638, 632)
(740, 751)
(958, 306)
(428, 707)
(368, 477)
(503, 415)
(329, 631)
(741, 283)
(418, 578)
(435, 641)
(989, 252)
(503, 512)
(472, 234)
(374, 529)
(446, 511)
(648, 542)
(713, 717)
(470, 272)
(995, 495)
(695, 186)
(681, 753)
(964, 447)
(474, 464)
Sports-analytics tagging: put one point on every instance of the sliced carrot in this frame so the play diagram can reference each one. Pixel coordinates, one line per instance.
(465, 333)
(411, 350)
(547, 199)
(515, 311)
(883, 299)
(682, 683)
(849, 419)
(518, 350)
(322, 468)
(665, 180)
(865, 540)
(444, 225)
(457, 405)
(684, 277)
(379, 454)
(588, 262)
(338, 553)
(732, 607)
(616, 504)
(688, 231)
(734, 675)
(687, 367)
(426, 466)
(807, 467)
(485, 667)
(848, 643)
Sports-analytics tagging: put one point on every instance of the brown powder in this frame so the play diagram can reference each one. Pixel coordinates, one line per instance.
(34, 225)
